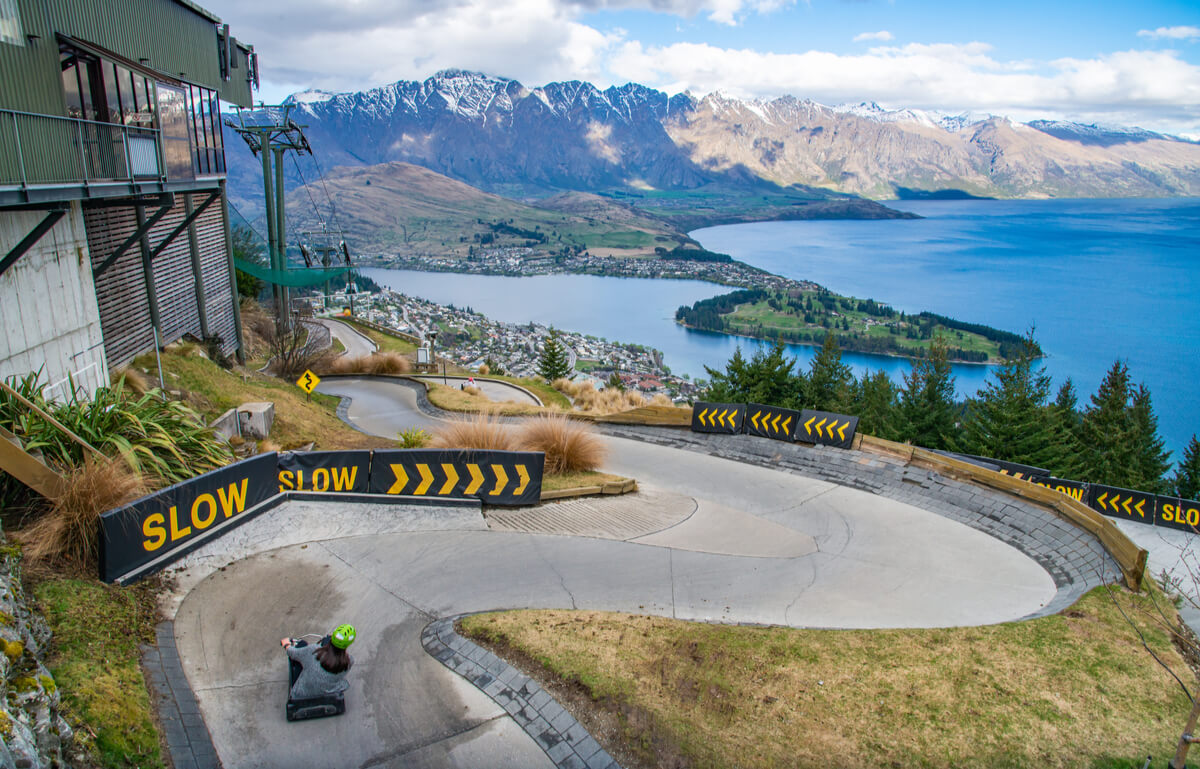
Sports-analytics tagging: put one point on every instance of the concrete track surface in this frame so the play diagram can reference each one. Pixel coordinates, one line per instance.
(707, 539)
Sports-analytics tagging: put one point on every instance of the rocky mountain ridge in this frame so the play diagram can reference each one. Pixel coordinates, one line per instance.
(500, 135)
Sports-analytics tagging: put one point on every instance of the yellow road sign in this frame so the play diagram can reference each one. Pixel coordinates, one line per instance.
(308, 381)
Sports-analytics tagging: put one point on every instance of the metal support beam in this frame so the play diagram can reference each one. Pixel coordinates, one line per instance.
(197, 268)
(144, 226)
(33, 237)
(281, 236)
(163, 199)
(148, 276)
(191, 217)
(237, 300)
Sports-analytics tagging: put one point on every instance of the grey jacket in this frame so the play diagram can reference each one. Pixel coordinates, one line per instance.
(314, 680)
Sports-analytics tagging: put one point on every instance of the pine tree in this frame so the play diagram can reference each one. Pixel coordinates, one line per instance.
(1187, 475)
(1152, 460)
(1120, 433)
(769, 378)
(1106, 429)
(927, 407)
(875, 399)
(555, 363)
(1070, 457)
(828, 378)
(1007, 419)
(728, 386)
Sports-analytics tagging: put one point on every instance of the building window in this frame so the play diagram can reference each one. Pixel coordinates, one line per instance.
(10, 23)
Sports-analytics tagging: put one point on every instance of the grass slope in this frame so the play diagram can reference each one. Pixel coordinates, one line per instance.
(1071, 690)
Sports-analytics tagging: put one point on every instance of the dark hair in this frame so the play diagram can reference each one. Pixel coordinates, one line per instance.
(333, 659)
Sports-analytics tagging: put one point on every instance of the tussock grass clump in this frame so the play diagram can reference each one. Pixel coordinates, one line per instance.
(132, 380)
(474, 391)
(377, 363)
(589, 400)
(568, 387)
(484, 369)
(68, 531)
(569, 446)
(661, 399)
(480, 431)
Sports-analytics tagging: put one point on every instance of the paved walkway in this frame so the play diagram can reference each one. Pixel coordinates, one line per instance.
(356, 343)
(748, 530)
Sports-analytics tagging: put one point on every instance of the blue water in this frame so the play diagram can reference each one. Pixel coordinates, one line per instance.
(1099, 280)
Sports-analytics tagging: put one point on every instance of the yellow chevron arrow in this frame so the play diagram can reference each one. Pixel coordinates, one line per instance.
(702, 413)
(1139, 506)
(786, 422)
(1126, 505)
(721, 417)
(476, 480)
(775, 422)
(1116, 503)
(401, 479)
(1100, 499)
(426, 480)
(754, 420)
(451, 479)
(730, 419)
(842, 429)
(501, 480)
(808, 425)
(819, 433)
(523, 474)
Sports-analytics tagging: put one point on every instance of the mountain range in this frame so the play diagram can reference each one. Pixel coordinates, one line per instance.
(499, 135)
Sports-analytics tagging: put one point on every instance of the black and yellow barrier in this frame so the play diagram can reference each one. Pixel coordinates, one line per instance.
(826, 428)
(157, 530)
(172, 519)
(771, 422)
(724, 418)
(494, 477)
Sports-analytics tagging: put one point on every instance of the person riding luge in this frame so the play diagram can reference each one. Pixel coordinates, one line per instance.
(323, 664)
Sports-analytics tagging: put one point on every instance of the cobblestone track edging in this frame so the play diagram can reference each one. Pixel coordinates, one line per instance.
(1074, 558)
(556, 731)
(188, 740)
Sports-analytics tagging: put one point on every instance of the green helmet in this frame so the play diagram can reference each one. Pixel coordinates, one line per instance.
(342, 636)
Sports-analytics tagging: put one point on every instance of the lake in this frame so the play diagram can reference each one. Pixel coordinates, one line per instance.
(1099, 279)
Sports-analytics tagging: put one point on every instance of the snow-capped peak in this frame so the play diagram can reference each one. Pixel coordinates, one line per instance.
(311, 96)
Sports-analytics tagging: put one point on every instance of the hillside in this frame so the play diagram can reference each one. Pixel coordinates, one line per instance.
(403, 209)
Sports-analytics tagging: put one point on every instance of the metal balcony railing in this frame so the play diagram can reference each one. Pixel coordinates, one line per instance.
(50, 150)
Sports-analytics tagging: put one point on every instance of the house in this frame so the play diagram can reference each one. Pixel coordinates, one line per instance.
(114, 225)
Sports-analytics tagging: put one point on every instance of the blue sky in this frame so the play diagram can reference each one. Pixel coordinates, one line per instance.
(1124, 63)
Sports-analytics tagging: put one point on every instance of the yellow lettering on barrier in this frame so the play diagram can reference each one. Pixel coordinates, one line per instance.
(401, 479)
(1076, 494)
(524, 476)
(320, 479)
(235, 502)
(1176, 514)
(176, 532)
(155, 533)
(476, 480)
(286, 481)
(501, 480)
(451, 479)
(343, 478)
(204, 499)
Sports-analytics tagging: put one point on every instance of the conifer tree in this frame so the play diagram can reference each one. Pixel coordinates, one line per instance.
(1007, 419)
(1152, 460)
(769, 378)
(875, 399)
(1120, 432)
(728, 386)
(927, 407)
(1187, 475)
(555, 362)
(828, 378)
(1070, 457)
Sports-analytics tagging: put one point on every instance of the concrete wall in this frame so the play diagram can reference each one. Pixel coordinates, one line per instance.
(49, 318)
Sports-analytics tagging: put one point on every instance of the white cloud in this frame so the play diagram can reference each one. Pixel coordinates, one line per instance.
(882, 34)
(1171, 33)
